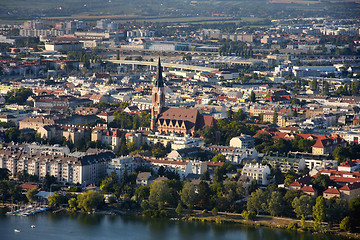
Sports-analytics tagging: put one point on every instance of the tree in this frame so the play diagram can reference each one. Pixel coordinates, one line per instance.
(131, 146)
(303, 205)
(123, 151)
(118, 55)
(179, 209)
(73, 204)
(275, 204)
(18, 96)
(188, 195)
(326, 91)
(337, 209)
(204, 194)
(354, 207)
(31, 195)
(205, 176)
(142, 193)
(219, 158)
(230, 114)
(240, 115)
(314, 84)
(322, 182)
(256, 201)
(248, 215)
(319, 212)
(214, 211)
(108, 183)
(252, 97)
(12, 134)
(218, 175)
(345, 224)
(341, 154)
(57, 199)
(48, 181)
(208, 134)
(90, 201)
(159, 150)
(303, 221)
(289, 179)
(159, 194)
(275, 117)
(4, 174)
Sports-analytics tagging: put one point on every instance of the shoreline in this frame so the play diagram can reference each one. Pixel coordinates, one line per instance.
(264, 221)
(269, 222)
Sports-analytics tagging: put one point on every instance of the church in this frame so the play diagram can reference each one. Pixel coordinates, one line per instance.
(165, 120)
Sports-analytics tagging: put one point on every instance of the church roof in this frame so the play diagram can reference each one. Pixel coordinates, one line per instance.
(183, 114)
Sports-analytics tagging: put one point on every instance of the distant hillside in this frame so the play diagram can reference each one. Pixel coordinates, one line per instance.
(29, 9)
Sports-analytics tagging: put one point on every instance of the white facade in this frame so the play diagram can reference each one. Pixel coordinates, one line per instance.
(74, 168)
(258, 172)
(243, 141)
(120, 164)
(177, 142)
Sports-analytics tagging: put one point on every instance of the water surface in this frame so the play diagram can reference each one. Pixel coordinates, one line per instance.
(99, 227)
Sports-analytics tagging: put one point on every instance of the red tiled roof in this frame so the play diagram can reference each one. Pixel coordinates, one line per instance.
(351, 186)
(307, 189)
(332, 191)
(341, 176)
(215, 164)
(295, 184)
(348, 164)
(28, 186)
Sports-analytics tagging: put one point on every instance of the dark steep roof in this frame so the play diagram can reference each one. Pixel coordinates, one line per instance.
(159, 82)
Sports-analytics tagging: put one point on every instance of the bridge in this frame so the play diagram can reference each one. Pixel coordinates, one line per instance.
(165, 65)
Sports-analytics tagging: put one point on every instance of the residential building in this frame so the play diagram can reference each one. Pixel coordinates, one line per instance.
(242, 141)
(122, 164)
(257, 172)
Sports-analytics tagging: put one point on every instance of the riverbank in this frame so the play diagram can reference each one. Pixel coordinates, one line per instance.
(269, 222)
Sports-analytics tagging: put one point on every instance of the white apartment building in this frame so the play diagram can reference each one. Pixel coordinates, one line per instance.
(74, 168)
(119, 165)
(258, 172)
(242, 141)
(177, 142)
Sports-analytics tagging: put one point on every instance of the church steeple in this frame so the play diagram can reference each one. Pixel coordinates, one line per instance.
(159, 78)
(158, 97)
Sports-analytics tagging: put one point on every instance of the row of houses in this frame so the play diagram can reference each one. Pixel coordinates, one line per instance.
(346, 177)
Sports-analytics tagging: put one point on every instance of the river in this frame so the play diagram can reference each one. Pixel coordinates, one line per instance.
(103, 227)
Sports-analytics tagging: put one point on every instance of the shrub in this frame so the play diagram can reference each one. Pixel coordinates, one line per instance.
(292, 226)
(163, 213)
(214, 211)
(345, 224)
(248, 215)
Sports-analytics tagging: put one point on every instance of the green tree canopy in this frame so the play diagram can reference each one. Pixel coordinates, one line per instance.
(219, 158)
(319, 212)
(256, 201)
(159, 194)
(188, 195)
(90, 201)
(57, 199)
(31, 195)
(275, 204)
(303, 205)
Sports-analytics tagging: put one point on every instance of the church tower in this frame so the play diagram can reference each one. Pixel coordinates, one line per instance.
(158, 97)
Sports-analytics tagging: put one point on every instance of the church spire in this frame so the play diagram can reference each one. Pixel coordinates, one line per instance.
(159, 78)
(158, 97)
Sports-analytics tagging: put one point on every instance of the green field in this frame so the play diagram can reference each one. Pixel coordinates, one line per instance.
(171, 10)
